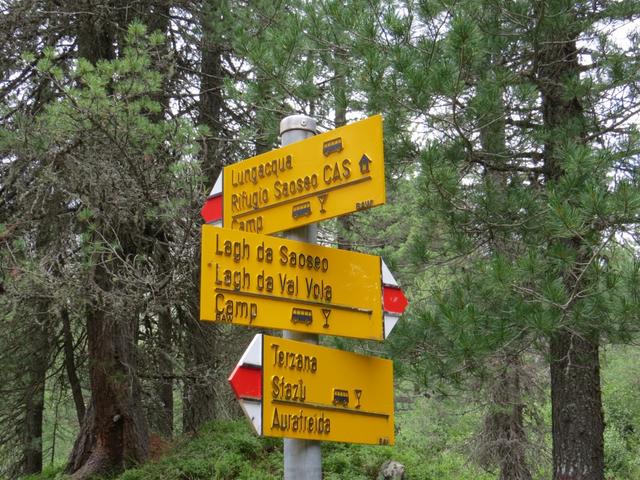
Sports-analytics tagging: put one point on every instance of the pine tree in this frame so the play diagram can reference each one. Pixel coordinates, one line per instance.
(117, 174)
(30, 275)
(558, 198)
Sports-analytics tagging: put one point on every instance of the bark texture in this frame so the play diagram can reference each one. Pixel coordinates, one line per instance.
(211, 100)
(114, 432)
(36, 369)
(578, 423)
(577, 417)
(70, 366)
(504, 440)
(164, 388)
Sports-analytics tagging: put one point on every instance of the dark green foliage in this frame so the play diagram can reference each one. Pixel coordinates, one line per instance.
(522, 192)
(491, 222)
(428, 444)
(433, 440)
(503, 227)
(230, 450)
(226, 450)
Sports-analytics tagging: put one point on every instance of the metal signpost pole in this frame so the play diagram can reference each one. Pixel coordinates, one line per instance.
(302, 458)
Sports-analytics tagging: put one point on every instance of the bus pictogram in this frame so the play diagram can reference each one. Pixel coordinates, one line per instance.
(301, 315)
(331, 146)
(301, 210)
(340, 397)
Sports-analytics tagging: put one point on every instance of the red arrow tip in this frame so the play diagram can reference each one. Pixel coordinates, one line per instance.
(394, 299)
(212, 209)
(246, 382)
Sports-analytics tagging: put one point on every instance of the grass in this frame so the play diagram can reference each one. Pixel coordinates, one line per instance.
(432, 441)
(230, 450)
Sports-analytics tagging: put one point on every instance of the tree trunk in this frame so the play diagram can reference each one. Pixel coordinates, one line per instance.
(114, 431)
(164, 420)
(201, 355)
(161, 418)
(504, 439)
(38, 343)
(339, 85)
(211, 101)
(36, 369)
(199, 399)
(577, 417)
(70, 366)
(578, 424)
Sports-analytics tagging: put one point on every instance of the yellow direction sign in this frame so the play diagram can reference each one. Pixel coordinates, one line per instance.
(332, 174)
(315, 393)
(269, 282)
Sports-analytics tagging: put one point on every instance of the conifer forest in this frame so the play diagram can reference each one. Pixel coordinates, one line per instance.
(511, 223)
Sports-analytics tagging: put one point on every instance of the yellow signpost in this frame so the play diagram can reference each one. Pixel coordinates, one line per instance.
(319, 393)
(270, 282)
(291, 389)
(325, 176)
